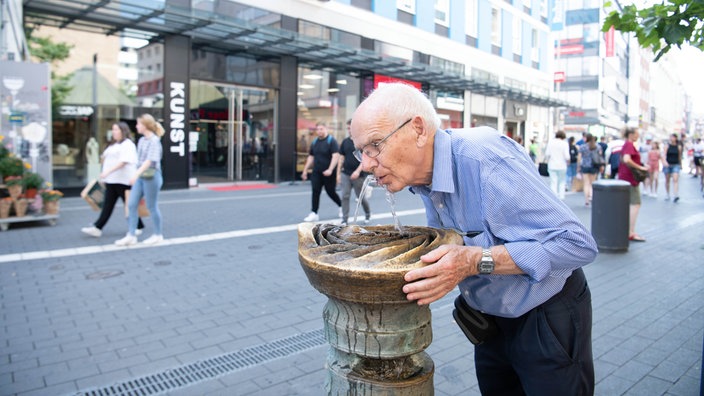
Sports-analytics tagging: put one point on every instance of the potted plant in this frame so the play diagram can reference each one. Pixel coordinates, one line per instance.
(11, 166)
(32, 183)
(14, 186)
(5, 205)
(50, 198)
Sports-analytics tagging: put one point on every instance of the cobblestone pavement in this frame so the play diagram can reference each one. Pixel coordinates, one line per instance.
(222, 307)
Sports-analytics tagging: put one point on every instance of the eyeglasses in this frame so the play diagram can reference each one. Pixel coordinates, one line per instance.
(372, 150)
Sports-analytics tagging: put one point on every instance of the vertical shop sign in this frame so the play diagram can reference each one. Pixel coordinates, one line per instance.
(175, 164)
(609, 41)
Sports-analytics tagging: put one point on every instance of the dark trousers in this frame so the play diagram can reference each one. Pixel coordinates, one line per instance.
(318, 181)
(113, 192)
(546, 351)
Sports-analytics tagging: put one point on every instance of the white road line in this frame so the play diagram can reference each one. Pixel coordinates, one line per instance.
(79, 251)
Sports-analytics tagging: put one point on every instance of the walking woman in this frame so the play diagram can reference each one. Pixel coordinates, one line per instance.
(589, 165)
(630, 158)
(119, 165)
(672, 167)
(557, 154)
(147, 181)
(654, 160)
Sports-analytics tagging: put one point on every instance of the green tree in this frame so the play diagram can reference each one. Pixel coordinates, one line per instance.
(44, 49)
(659, 27)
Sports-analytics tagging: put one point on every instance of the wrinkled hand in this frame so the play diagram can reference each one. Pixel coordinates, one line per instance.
(449, 265)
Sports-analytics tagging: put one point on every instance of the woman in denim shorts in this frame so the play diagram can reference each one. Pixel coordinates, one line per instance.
(672, 166)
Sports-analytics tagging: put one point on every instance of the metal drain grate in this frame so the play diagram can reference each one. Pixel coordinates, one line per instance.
(212, 368)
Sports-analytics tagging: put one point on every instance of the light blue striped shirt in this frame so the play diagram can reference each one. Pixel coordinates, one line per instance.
(484, 181)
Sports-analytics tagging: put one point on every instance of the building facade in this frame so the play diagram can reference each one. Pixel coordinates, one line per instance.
(239, 86)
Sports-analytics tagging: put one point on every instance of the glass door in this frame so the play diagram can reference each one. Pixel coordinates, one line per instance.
(236, 132)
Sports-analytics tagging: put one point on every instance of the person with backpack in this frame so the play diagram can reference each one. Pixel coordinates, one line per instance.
(590, 165)
(323, 157)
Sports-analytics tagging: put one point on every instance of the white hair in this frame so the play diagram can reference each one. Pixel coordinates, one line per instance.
(399, 101)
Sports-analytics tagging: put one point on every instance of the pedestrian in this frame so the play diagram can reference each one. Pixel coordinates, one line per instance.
(613, 157)
(654, 160)
(557, 155)
(589, 165)
(521, 263)
(533, 150)
(630, 158)
(673, 166)
(603, 146)
(698, 156)
(119, 165)
(147, 181)
(323, 157)
(350, 175)
(572, 166)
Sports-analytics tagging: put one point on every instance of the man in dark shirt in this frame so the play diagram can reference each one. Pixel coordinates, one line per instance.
(322, 158)
(349, 175)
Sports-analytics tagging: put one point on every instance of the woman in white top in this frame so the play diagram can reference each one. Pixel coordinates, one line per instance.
(119, 165)
(557, 155)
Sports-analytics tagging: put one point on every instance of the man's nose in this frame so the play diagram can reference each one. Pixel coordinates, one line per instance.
(368, 163)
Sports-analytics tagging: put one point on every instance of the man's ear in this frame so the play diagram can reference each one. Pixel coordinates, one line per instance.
(421, 131)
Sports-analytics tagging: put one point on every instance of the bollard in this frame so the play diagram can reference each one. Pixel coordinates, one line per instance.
(377, 338)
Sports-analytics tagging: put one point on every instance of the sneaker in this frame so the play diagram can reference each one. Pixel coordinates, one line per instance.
(128, 240)
(92, 231)
(138, 232)
(339, 213)
(312, 216)
(343, 224)
(676, 199)
(367, 220)
(153, 240)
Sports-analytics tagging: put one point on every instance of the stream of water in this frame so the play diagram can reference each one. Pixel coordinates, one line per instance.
(390, 198)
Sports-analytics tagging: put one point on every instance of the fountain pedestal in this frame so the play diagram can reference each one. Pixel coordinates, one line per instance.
(377, 337)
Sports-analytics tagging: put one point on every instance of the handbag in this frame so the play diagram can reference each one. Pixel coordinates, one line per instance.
(476, 326)
(638, 174)
(543, 169)
(142, 210)
(148, 174)
(94, 194)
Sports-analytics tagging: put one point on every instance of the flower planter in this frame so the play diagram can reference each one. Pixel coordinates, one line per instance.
(21, 207)
(31, 193)
(15, 191)
(51, 207)
(5, 205)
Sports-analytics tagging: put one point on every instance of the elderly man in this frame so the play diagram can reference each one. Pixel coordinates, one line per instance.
(520, 268)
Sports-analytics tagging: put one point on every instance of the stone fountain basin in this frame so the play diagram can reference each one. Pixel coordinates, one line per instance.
(365, 264)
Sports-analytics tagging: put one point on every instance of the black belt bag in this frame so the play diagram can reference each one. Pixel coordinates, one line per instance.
(478, 327)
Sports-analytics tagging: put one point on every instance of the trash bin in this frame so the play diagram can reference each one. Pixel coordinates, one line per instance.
(610, 214)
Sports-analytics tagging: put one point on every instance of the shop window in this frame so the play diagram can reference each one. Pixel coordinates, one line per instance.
(325, 97)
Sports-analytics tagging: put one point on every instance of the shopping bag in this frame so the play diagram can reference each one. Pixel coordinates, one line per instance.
(142, 210)
(577, 184)
(94, 194)
(543, 169)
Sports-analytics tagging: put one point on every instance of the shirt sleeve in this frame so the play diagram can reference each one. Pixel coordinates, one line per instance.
(542, 235)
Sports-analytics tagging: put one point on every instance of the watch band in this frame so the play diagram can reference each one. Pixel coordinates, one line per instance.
(486, 263)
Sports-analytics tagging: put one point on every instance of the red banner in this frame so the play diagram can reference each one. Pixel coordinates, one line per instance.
(382, 79)
(609, 41)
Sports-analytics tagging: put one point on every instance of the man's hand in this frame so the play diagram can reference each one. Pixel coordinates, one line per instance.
(449, 265)
(327, 172)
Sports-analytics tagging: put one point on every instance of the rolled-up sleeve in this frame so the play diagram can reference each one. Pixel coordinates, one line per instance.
(542, 235)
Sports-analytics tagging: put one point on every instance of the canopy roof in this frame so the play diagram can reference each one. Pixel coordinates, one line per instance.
(152, 20)
(81, 93)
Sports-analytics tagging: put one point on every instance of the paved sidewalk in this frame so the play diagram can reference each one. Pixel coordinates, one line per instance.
(223, 307)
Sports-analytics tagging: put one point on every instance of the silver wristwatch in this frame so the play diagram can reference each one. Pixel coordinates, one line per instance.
(486, 264)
